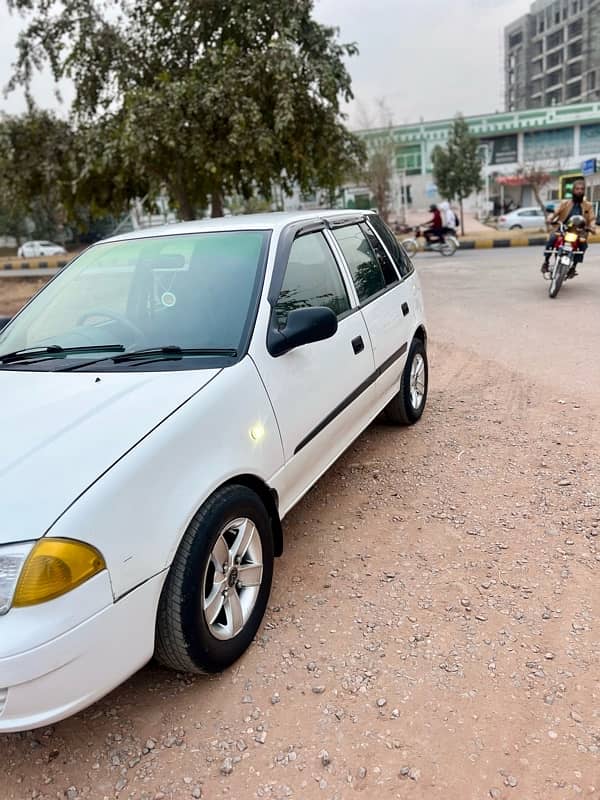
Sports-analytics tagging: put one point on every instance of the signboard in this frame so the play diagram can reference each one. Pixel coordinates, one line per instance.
(589, 166)
(565, 183)
(502, 149)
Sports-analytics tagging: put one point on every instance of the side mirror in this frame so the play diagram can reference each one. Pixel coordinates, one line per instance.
(304, 325)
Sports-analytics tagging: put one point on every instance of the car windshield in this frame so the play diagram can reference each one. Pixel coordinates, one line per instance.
(186, 291)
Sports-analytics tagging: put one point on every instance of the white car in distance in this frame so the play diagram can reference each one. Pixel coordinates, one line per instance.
(38, 248)
(167, 398)
(520, 218)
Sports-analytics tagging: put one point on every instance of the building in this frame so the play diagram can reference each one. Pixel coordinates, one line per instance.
(558, 140)
(552, 55)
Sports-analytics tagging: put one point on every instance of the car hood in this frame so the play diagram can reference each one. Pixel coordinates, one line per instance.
(59, 432)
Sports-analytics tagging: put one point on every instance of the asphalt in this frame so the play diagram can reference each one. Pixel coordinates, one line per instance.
(496, 303)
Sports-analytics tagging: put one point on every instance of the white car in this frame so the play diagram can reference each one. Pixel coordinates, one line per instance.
(167, 399)
(531, 217)
(40, 248)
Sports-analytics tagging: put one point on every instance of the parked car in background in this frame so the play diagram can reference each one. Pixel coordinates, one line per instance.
(170, 395)
(38, 248)
(531, 217)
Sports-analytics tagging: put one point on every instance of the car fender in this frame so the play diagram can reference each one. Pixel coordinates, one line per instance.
(137, 512)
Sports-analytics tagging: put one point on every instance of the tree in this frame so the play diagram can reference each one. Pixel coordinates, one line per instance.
(202, 97)
(457, 167)
(537, 178)
(36, 151)
(379, 170)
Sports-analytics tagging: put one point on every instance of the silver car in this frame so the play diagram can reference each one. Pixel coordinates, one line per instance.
(530, 217)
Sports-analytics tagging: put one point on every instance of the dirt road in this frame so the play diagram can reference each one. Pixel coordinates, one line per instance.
(433, 629)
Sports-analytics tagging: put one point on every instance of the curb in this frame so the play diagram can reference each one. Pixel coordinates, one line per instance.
(52, 263)
(520, 241)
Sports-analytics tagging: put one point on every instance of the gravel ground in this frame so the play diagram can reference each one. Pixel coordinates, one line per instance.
(433, 628)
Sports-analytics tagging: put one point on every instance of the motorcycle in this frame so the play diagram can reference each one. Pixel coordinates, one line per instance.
(571, 235)
(447, 246)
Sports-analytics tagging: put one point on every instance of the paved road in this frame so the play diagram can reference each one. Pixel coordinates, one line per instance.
(495, 302)
(433, 626)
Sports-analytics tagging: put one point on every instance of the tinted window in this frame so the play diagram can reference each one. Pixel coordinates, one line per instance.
(312, 278)
(389, 273)
(365, 268)
(394, 248)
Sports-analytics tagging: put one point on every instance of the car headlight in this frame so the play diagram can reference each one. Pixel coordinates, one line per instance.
(31, 574)
(12, 559)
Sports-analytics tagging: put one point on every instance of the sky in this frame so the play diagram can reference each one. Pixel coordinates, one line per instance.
(425, 58)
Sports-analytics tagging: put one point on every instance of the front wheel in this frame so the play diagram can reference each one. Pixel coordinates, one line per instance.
(411, 247)
(217, 589)
(557, 276)
(408, 405)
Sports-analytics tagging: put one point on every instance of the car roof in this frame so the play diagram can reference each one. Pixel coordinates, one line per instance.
(274, 221)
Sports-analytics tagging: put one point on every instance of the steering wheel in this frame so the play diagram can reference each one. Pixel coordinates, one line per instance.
(114, 317)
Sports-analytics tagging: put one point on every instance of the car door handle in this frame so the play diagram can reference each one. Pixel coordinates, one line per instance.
(358, 345)
(405, 309)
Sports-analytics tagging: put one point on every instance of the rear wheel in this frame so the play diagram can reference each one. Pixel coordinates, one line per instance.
(449, 247)
(408, 405)
(218, 586)
(411, 246)
(516, 227)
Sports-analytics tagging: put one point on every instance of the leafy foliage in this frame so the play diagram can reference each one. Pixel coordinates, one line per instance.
(36, 151)
(202, 97)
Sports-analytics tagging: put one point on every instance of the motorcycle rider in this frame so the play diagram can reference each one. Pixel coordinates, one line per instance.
(434, 228)
(576, 206)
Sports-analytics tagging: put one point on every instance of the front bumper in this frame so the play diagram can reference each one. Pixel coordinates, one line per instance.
(43, 684)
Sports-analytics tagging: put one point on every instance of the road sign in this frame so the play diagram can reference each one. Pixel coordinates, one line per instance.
(589, 167)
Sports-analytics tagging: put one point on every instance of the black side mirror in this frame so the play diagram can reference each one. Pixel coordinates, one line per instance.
(304, 325)
(4, 321)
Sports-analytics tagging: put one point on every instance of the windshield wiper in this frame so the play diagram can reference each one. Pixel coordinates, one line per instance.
(174, 351)
(56, 351)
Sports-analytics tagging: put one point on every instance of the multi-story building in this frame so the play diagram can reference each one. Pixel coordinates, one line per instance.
(560, 140)
(552, 54)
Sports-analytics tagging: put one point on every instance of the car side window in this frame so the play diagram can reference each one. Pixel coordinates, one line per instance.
(312, 278)
(385, 262)
(401, 260)
(364, 266)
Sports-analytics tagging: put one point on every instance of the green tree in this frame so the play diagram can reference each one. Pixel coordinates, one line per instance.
(201, 97)
(457, 167)
(36, 151)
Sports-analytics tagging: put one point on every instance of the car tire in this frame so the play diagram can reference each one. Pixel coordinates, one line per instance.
(190, 635)
(516, 227)
(407, 407)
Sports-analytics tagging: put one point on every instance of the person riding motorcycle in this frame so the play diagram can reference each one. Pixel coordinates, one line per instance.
(434, 228)
(577, 206)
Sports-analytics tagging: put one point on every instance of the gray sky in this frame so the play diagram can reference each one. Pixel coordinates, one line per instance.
(427, 58)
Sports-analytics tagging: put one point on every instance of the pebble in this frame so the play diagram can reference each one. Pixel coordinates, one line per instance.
(120, 784)
(576, 717)
(72, 793)
(275, 698)
(227, 766)
(318, 689)
(381, 702)
(553, 734)
(362, 772)
(511, 781)
(324, 756)
(197, 792)
(261, 737)
(495, 793)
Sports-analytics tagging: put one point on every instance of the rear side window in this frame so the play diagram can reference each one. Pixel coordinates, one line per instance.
(365, 268)
(312, 278)
(385, 262)
(394, 248)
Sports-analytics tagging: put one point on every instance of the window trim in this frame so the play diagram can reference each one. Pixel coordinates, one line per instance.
(282, 254)
(410, 273)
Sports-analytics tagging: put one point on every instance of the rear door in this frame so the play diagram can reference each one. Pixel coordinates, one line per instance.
(385, 296)
(322, 393)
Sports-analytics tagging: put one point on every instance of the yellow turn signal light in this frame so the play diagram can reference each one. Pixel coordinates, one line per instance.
(54, 567)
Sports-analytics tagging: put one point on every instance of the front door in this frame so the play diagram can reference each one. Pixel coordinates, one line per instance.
(321, 392)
